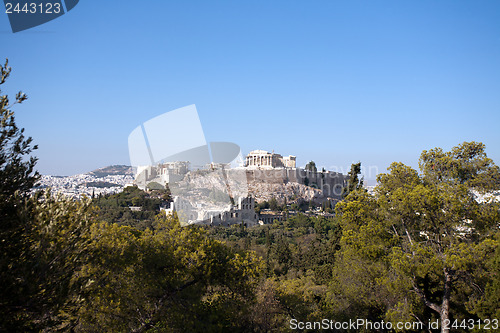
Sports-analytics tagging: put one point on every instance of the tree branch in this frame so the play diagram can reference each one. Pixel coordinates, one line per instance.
(428, 303)
(152, 322)
(421, 322)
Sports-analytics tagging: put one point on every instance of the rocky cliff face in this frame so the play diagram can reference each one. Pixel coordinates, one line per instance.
(201, 184)
(289, 191)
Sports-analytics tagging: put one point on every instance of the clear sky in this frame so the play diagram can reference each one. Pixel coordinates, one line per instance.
(331, 81)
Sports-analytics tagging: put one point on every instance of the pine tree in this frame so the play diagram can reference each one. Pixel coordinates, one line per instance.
(353, 183)
(422, 240)
(17, 177)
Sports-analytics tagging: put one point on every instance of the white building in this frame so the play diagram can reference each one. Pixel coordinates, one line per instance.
(244, 212)
(265, 159)
(162, 174)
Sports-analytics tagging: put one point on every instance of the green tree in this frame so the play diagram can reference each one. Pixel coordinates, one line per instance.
(58, 241)
(487, 305)
(311, 166)
(423, 236)
(353, 183)
(17, 177)
(17, 173)
(168, 277)
(155, 186)
(273, 204)
(302, 297)
(465, 164)
(167, 194)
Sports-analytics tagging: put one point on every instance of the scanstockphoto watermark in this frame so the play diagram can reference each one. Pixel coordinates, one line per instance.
(359, 323)
(204, 178)
(367, 171)
(356, 325)
(26, 14)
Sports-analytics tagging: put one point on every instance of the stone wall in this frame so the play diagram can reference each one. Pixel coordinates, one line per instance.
(330, 183)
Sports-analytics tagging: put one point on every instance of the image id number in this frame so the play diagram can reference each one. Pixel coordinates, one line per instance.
(33, 8)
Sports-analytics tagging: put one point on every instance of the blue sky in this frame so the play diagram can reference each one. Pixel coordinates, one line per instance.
(331, 81)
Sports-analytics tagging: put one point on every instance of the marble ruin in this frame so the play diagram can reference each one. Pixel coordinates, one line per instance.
(204, 196)
(264, 159)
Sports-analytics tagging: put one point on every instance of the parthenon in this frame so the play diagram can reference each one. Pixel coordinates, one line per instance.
(262, 158)
(270, 168)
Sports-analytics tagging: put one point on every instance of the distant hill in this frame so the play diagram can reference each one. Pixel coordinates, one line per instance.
(98, 184)
(112, 170)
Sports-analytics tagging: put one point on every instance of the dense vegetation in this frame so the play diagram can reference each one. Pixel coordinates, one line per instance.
(116, 208)
(420, 248)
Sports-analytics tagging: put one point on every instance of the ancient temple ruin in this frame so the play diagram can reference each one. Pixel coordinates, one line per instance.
(265, 159)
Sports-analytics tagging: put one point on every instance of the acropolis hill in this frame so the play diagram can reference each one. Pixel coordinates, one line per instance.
(268, 174)
(267, 168)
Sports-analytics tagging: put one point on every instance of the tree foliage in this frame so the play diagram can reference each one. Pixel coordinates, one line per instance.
(422, 237)
(311, 166)
(17, 177)
(353, 182)
(465, 164)
(164, 277)
(16, 173)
